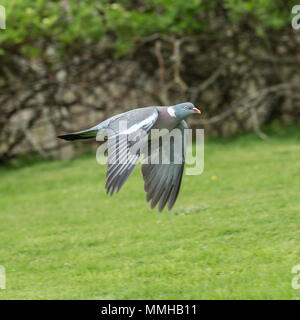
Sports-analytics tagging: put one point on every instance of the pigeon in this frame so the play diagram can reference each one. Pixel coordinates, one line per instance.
(162, 180)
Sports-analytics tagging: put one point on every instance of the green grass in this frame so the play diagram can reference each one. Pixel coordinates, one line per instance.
(236, 237)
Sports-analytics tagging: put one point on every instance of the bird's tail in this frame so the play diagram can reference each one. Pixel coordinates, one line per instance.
(86, 134)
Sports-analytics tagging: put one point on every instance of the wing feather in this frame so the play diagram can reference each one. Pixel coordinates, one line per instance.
(125, 145)
(162, 181)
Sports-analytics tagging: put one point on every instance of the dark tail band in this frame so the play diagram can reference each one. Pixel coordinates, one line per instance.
(88, 134)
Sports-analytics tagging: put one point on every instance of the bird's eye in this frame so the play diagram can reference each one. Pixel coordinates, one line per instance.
(186, 107)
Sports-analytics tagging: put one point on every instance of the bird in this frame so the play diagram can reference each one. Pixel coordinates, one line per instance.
(162, 181)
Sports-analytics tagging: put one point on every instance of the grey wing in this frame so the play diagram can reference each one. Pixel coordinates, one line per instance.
(162, 181)
(127, 135)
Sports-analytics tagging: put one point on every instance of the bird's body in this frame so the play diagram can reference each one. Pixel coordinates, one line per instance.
(165, 120)
(128, 135)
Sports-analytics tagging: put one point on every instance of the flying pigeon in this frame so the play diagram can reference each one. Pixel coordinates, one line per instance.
(125, 145)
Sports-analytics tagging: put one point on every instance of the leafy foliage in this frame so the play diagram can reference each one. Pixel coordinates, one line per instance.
(34, 24)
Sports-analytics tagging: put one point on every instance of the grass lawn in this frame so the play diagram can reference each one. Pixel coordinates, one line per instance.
(234, 236)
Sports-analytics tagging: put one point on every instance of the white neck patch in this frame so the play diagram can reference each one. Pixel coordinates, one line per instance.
(171, 112)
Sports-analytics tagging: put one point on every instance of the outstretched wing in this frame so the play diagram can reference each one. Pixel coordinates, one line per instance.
(127, 135)
(162, 180)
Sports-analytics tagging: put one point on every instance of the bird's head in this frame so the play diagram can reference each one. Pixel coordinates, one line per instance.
(183, 110)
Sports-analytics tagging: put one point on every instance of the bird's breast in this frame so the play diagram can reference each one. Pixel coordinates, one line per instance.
(165, 120)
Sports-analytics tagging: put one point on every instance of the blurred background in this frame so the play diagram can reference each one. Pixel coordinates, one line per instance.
(67, 65)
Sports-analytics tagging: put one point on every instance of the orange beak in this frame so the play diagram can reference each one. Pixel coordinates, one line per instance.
(197, 110)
